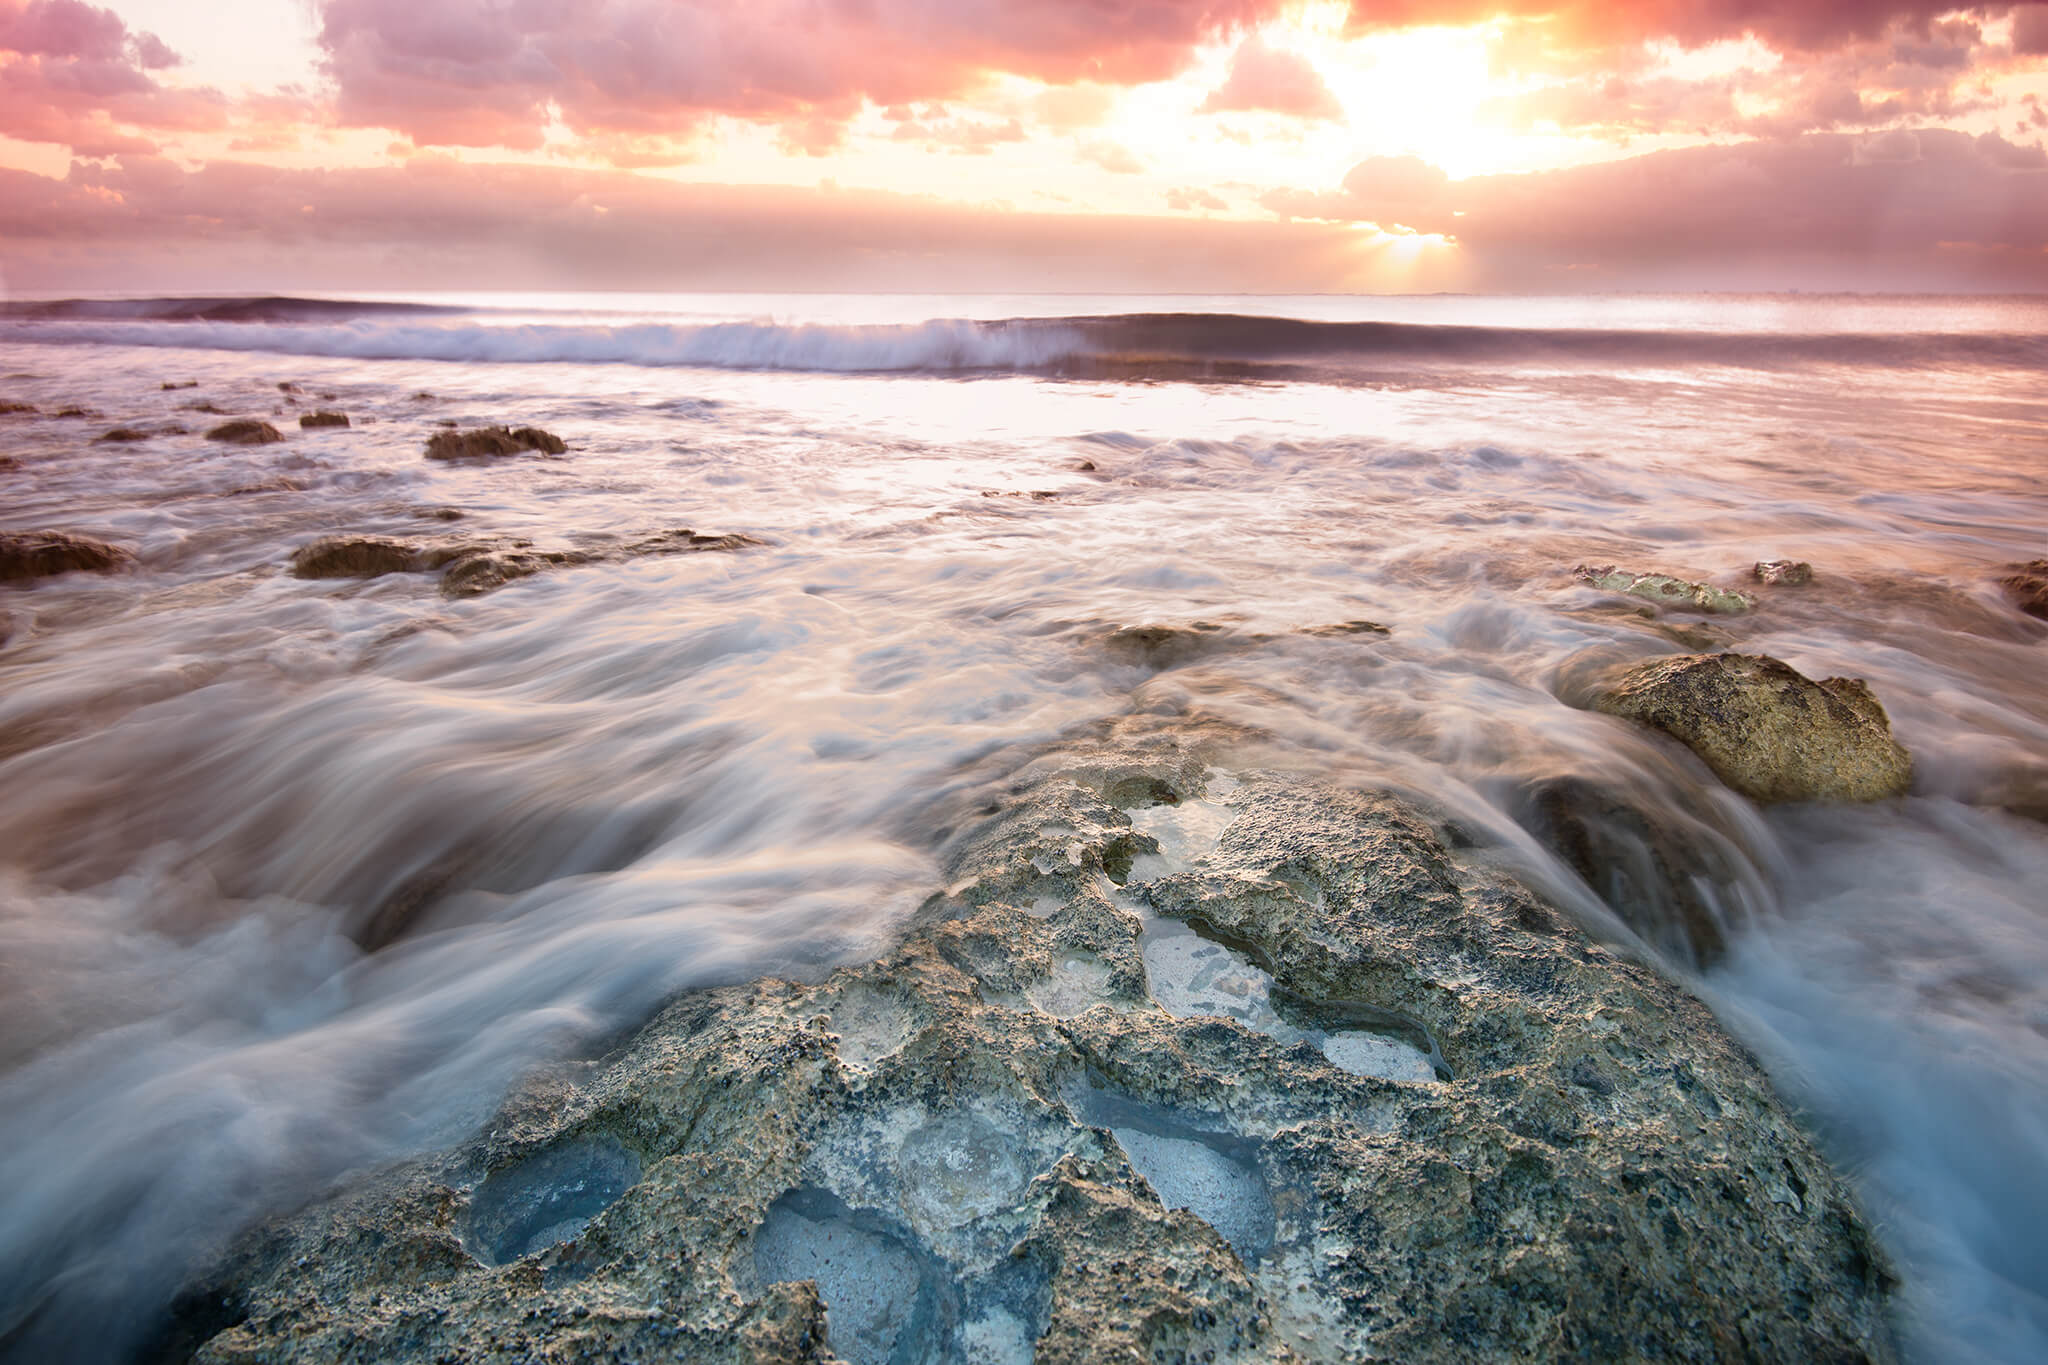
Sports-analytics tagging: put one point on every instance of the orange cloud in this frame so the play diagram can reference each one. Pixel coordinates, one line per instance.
(1911, 209)
(1823, 210)
(1265, 79)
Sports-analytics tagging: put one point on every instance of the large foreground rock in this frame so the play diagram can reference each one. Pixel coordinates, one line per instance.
(1766, 729)
(1445, 1127)
(42, 554)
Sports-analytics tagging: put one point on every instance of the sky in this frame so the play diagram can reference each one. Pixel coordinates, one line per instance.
(1201, 146)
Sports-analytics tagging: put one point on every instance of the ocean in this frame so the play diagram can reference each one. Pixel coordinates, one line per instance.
(296, 876)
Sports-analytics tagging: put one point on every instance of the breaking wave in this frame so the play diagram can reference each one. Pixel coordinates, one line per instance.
(1159, 346)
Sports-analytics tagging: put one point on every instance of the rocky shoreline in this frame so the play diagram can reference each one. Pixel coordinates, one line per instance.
(1188, 1061)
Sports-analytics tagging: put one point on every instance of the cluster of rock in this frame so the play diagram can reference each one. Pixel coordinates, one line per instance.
(483, 443)
(1316, 1087)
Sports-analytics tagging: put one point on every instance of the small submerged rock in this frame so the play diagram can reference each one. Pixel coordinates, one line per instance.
(483, 443)
(121, 434)
(10, 409)
(245, 432)
(352, 557)
(1766, 729)
(323, 419)
(1665, 590)
(2027, 587)
(472, 571)
(44, 554)
(170, 385)
(1782, 573)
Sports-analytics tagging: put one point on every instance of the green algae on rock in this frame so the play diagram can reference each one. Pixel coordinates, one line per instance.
(1766, 729)
(995, 1143)
(1665, 590)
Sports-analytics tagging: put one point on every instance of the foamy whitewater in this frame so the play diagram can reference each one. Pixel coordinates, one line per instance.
(612, 782)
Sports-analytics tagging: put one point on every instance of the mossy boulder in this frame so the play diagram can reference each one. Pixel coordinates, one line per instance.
(1766, 729)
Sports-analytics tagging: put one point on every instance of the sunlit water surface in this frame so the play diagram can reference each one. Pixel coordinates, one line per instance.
(614, 782)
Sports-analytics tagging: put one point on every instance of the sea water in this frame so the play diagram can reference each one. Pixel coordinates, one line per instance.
(297, 876)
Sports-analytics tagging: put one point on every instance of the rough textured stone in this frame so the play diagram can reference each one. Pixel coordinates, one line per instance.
(483, 443)
(353, 557)
(995, 1144)
(2027, 587)
(246, 432)
(1783, 573)
(1665, 590)
(1664, 868)
(41, 554)
(323, 419)
(1767, 730)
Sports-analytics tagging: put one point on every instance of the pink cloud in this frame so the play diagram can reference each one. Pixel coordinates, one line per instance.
(1927, 208)
(1823, 209)
(73, 74)
(1275, 82)
(479, 72)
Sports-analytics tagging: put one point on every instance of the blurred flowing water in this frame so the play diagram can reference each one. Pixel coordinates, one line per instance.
(550, 807)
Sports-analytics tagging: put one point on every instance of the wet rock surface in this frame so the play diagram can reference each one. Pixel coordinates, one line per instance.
(472, 568)
(1665, 590)
(352, 557)
(243, 433)
(42, 554)
(2027, 587)
(1783, 573)
(1667, 871)
(997, 1143)
(485, 443)
(323, 419)
(1766, 729)
(124, 434)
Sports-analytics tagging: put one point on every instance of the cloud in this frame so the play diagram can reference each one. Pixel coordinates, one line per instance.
(1931, 209)
(434, 223)
(73, 74)
(2030, 30)
(938, 130)
(1923, 71)
(1912, 208)
(1788, 25)
(1111, 156)
(489, 73)
(1190, 199)
(1267, 79)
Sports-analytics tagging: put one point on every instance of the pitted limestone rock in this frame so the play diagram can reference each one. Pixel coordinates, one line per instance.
(955, 1151)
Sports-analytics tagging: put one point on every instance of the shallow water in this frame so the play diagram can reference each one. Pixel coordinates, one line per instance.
(567, 799)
